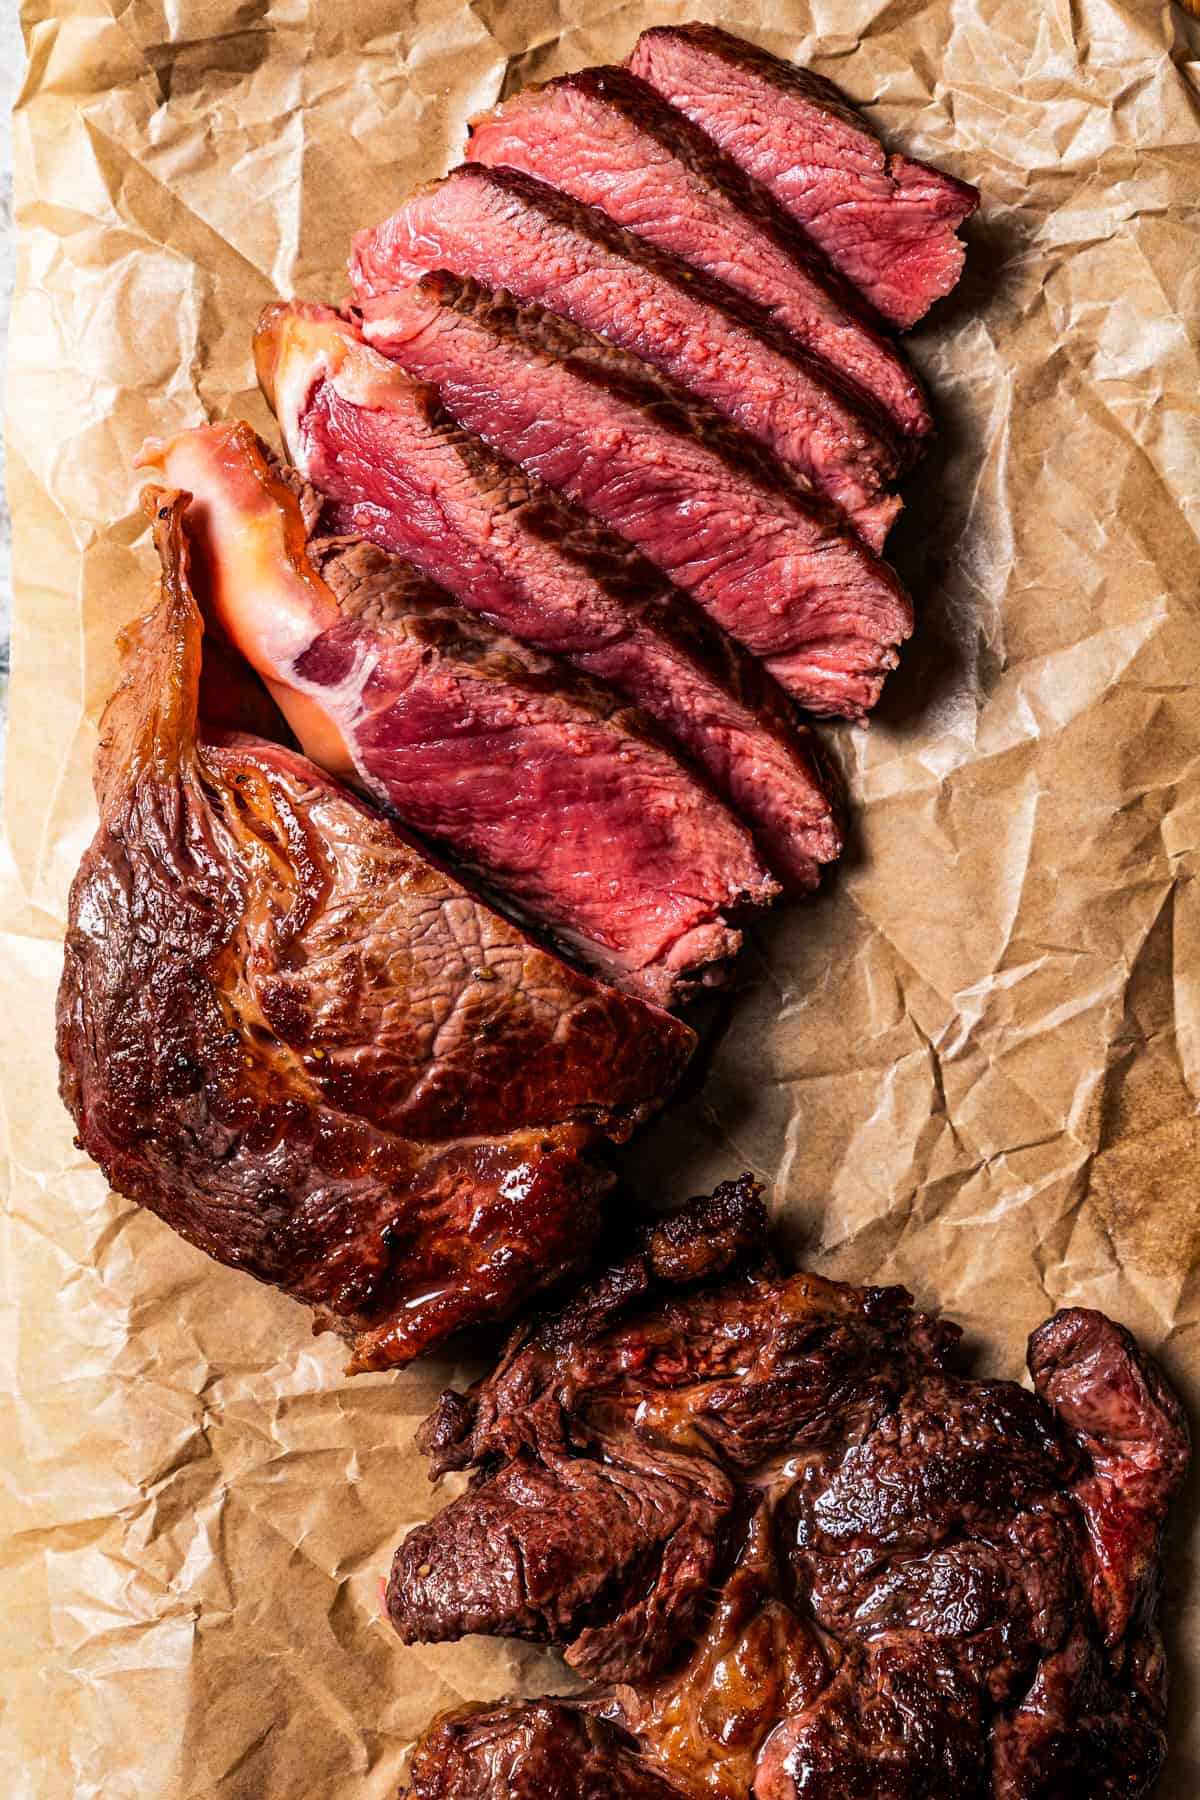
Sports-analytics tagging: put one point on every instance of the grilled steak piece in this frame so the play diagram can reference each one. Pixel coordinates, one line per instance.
(397, 470)
(546, 1751)
(888, 223)
(563, 803)
(717, 516)
(308, 1048)
(507, 231)
(918, 1586)
(605, 137)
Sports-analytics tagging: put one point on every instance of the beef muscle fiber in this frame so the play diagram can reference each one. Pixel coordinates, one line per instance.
(607, 138)
(719, 517)
(888, 223)
(506, 230)
(537, 782)
(308, 1048)
(397, 469)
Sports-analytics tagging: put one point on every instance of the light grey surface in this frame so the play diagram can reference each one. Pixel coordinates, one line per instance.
(11, 63)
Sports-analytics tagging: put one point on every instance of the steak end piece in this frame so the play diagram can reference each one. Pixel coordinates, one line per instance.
(605, 137)
(917, 1586)
(545, 1751)
(889, 224)
(308, 1048)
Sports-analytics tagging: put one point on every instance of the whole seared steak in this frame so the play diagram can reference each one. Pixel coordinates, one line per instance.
(306, 1046)
(807, 1558)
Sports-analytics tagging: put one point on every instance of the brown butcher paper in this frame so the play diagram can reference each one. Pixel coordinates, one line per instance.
(971, 1066)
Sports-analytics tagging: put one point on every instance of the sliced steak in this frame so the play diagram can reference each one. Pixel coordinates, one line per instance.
(719, 517)
(505, 230)
(608, 139)
(538, 783)
(922, 1587)
(888, 223)
(398, 470)
(307, 1047)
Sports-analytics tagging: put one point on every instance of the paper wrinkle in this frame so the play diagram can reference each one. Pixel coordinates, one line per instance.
(972, 1065)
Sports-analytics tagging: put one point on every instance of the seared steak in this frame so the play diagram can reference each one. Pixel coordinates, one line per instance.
(539, 1752)
(538, 783)
(888, 223)
(719, 517)
(396, 469)
(812, 1559)
(606, 137)
(308, 1048)
(505, 230)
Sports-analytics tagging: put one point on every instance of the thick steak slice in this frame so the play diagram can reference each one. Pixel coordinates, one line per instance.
(721, 518)
(308, 1048)
(398, 470)
(537, 782)
(888, 223)
(607, 138)
(506, 230)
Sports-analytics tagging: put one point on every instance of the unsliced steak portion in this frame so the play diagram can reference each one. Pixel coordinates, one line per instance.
(539, 784)
(308, 1048)
(921, 1587)
(719, 517)
(888, 223)
(395, 468)
(505, 230)
(607, 138)
(546, 1751)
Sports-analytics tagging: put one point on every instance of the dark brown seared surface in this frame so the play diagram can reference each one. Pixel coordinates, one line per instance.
(810, 1560)
(308, 1048)
(716, 514)
(546, 1752)
(887, 223)
(608, 139)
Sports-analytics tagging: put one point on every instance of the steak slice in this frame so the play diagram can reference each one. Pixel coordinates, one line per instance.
(605, 137)
(922, 1587)
(888, 223)
(538, 783)
(718, 517)
(308, 1048)
(397, 469)
(507, 231)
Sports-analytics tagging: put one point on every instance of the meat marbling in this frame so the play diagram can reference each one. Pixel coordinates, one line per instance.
(505, 230)
(888, 223)
(395, 468)
(307, 1047)
(605, 137)
(873, 1579)
(540, 784)
(719, 517)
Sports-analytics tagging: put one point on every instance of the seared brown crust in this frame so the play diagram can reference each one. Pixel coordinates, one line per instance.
(306, 1047)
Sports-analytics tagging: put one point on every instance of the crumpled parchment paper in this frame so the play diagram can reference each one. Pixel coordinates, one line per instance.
(972, 1066)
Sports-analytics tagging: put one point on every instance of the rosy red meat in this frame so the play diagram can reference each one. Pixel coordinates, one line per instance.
(539, 784)
(505, 230)
(605, 137)
(889, 224)
(718, 517)
(308, 1048)
(396, 469)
